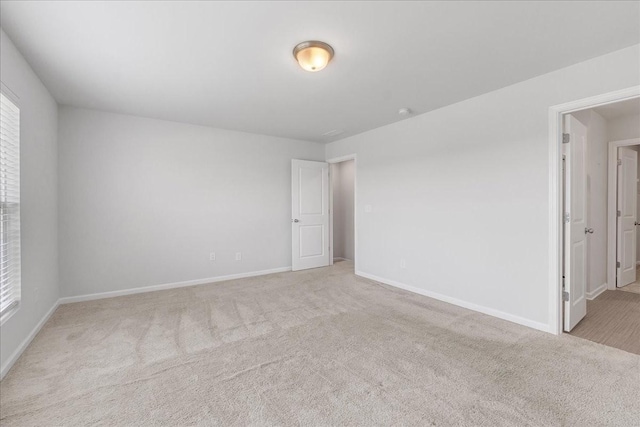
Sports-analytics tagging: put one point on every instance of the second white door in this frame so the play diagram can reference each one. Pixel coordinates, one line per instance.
(627, 215)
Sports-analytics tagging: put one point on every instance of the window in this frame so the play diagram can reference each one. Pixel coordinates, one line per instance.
(9, 207)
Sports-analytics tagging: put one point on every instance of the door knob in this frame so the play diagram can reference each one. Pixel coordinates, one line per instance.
(295, 220)
(588, 230)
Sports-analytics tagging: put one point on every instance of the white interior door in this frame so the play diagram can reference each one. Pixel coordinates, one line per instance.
(627, 215)
(575, 227)
(309, 214)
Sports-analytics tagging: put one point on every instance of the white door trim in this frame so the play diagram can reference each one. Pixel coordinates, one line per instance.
(612, 197)
(355, 206)
(556, 192)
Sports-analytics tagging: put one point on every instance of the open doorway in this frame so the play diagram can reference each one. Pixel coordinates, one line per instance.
(600, 178)
(342, 225)
(323, 215)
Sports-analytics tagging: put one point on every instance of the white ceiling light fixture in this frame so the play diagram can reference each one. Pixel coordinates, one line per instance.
(313, 55)
(405, 111)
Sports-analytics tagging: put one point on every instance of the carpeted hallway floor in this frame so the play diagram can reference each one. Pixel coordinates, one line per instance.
(318, 347)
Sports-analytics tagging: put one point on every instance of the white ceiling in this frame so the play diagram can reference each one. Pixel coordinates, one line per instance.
(630, 107)
(229, 64)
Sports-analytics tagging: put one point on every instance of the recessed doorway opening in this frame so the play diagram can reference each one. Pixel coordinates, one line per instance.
(342, 210)
(600, 214)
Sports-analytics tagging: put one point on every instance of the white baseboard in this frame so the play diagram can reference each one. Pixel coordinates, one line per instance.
(152, 288)
(600, 289)
(471, 306)
(22, 347)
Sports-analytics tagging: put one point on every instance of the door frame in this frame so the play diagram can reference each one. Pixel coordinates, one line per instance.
(612, 202)
(556, 192)
(332, 161)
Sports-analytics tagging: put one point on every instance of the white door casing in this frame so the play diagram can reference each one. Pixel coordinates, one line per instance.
(556, 199)
(576, 229)
(627, 215)
(309, 214)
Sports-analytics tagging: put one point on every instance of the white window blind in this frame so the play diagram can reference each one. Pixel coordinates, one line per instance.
(9, 206)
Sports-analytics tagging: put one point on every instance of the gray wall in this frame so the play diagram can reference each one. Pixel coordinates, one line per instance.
(342, 179)
(462, 193)
(625, 127)
(39, 212)
(144, 202)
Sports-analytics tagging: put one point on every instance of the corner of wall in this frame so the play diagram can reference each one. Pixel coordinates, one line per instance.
(40, 287)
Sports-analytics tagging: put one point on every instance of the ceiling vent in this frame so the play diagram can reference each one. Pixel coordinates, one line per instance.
(334, 132)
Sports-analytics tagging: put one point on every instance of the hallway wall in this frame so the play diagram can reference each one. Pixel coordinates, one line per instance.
(625, 127)
(342, 179)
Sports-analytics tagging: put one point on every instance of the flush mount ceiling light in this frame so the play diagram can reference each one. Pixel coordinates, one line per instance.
(313, 55)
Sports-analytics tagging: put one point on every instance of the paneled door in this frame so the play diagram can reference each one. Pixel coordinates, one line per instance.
(576, 227)
(309, 214)
(627, 215)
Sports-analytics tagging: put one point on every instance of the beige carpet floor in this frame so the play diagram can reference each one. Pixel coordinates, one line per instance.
(318, 347)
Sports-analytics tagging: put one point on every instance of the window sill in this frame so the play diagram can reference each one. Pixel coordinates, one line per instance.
(6, 316)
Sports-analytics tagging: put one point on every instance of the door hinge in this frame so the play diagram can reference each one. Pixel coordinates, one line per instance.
(567, 218)
(565, 296)
(617, 264)
(566, 138)
(619, 213)
(619, 162)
